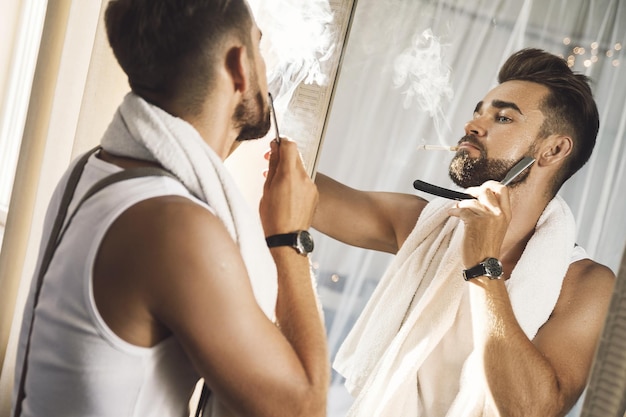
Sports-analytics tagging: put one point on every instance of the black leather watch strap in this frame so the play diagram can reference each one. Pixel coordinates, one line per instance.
(473, 272)
(284, 239)
(301, 241)
(490, 267)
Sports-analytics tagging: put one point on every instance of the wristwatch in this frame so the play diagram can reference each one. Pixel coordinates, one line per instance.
(301, 241)
(490, 267)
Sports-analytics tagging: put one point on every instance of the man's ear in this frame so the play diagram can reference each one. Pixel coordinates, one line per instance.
(554, 149)
(237, 67)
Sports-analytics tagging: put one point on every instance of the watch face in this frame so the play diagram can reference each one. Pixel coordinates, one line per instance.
(305, 241)
(493, 267)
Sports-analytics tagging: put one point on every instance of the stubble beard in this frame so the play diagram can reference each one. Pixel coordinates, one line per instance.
(466, 171)
(252, 116)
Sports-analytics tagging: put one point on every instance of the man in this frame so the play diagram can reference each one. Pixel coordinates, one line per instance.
(158, 282)
(517, 336)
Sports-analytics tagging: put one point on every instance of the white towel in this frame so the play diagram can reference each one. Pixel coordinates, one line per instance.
(381, 356)
(144, 131)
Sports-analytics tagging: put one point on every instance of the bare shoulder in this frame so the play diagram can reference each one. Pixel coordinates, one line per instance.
(172, 215)
(585, 296)
(587, 283)
(153, 261)
(569, 338)
(170, 236)
(155, 235)
(168, 225)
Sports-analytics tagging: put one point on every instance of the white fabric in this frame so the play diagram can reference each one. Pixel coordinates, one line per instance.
(383, 354)
(77, 365)
(144, 131)
(579, 253)
(437, 389)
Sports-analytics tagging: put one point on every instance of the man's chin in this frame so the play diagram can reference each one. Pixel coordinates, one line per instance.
(461, 169)
(464, 182)
(470, 172)
(252, 134)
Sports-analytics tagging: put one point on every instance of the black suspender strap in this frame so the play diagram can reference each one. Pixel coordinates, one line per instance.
(58, 229)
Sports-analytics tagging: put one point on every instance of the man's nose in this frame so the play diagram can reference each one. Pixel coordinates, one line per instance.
(475, 127)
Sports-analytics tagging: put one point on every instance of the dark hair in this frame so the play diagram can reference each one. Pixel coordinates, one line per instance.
(167, 48)
(569, 108)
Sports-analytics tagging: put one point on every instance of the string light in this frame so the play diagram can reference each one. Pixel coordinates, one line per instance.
(591, 56)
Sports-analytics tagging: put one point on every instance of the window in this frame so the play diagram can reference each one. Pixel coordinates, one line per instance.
(18, 81)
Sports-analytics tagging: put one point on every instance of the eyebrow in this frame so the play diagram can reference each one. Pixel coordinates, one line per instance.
(500, 104)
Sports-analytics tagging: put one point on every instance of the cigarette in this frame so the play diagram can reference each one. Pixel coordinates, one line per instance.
(437, 148)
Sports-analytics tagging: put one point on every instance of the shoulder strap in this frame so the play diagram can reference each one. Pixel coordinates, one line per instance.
(58, 230)
(126, 174)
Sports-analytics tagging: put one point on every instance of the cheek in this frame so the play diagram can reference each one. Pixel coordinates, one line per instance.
(510, 142)
(262, 69)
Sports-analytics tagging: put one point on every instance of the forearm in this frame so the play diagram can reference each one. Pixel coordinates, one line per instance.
(336, 208)
(301, 323)
(520, 379)
(372, 220)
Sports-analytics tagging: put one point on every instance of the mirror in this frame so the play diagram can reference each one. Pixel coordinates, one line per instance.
(302, 46)
(399, 52)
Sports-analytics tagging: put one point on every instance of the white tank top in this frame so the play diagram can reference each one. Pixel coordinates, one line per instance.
(77, 365)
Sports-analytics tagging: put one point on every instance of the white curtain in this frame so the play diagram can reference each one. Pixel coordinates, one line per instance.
(373, 132)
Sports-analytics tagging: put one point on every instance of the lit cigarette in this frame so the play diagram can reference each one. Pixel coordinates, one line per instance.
(437, 148)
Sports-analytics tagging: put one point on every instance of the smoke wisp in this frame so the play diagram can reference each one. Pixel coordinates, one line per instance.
(423, 77)
(297, 40)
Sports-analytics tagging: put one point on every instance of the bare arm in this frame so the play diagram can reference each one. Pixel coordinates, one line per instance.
(179, 272)
(372, 220)
(545, 376)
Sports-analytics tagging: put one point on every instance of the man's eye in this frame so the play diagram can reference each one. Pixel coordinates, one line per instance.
(502, 119)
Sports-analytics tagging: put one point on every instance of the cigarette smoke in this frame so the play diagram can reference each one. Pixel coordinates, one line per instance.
(425, 79)
(296, 42)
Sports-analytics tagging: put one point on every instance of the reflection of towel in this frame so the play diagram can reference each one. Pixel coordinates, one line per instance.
(143, 131)
(387, 346)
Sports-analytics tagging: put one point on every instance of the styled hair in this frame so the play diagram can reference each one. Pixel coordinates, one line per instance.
(168, 48)
(569, 107)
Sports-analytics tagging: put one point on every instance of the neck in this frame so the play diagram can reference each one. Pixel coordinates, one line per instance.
(215, 126)
(213, 122)
(527, 205)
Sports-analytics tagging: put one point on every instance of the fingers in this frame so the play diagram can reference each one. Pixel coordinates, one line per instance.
(486, 220)
(289, 196)
(273, 155)
(491, 198)
(284, 157)
(287, 152)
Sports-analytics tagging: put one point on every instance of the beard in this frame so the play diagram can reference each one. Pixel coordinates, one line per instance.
(252, 116)
(466, 171)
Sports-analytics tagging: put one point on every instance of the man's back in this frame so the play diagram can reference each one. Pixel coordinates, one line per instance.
(77, 364)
